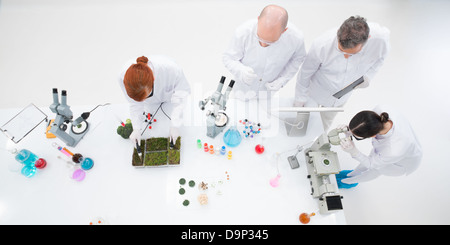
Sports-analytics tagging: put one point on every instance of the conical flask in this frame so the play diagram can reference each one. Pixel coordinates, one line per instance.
(232, 137)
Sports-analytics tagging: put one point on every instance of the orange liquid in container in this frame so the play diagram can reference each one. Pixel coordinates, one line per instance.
(305, 218)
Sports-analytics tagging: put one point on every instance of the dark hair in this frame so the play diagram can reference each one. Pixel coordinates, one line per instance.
(368, 123)
(353, 31)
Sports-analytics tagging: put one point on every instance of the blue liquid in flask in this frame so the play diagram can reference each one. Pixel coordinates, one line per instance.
(28, 171)
(232, 137)
(26, 157)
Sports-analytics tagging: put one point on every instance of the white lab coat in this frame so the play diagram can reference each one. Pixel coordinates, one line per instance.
(326, 71)
(396, 153)
(170, 85)
(279, 61)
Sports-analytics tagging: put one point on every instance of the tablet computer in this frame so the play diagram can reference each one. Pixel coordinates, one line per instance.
(349, 88)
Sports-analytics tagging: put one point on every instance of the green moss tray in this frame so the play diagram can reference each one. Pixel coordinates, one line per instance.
(157, 153)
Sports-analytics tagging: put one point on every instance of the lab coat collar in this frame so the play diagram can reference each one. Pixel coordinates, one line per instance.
(337, 50)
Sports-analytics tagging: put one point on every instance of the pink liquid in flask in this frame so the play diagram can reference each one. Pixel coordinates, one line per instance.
(275, 181)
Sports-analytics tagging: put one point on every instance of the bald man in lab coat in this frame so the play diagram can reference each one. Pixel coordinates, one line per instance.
(264, 53)
(338, 58)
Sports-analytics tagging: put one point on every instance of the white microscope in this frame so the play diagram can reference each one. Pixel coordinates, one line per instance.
(216, 118)
(321, 162)
(64, 116)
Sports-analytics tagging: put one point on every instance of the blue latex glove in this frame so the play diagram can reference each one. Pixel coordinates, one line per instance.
(343, 175)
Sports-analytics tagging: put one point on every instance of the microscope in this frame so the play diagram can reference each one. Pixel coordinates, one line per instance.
(216, 118)
(64, 116)
(321, 162)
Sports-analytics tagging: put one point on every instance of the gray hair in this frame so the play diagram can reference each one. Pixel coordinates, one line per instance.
(353, 31)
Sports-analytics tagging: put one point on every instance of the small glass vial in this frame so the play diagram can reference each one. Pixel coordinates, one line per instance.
(223, 150)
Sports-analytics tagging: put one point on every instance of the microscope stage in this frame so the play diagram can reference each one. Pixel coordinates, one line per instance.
(80, 128)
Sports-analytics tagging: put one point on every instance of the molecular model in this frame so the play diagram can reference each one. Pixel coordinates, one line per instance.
(251, 129)
(148, 118)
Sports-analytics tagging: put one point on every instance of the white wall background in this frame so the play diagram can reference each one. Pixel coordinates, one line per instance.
(81, 45)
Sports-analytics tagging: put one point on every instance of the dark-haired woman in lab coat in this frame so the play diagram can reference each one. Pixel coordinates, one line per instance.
(396, 149)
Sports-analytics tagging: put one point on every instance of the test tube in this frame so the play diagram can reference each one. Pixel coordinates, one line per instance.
(121, 123)
(199, 144)
(65, 149)
(206, 147)
(211, 149)
(230, 155)
(61, 149)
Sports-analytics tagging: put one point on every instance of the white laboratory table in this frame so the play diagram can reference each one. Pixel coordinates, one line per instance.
(115, 192)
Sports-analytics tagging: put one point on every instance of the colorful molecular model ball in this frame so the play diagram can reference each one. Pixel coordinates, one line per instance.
(259, 149)
(251, 129)
(148, 119)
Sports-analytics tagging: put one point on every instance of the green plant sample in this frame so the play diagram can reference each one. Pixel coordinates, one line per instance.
(157, 152)
(125, 131)
(182, 191)
(155, 158)
(137, 160)
(182, 181)
(191, 183)
(185, 202)
(174, 157)
(142, 146)
(157, 144)
(177, 144)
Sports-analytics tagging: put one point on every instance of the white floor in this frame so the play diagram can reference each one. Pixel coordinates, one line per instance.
(81, 46)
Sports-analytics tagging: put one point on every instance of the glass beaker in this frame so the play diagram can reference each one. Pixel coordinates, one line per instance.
(232, 137)
(26, 157)
(28, 171)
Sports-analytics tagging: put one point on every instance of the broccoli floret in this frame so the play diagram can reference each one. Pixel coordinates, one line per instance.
(126, 131)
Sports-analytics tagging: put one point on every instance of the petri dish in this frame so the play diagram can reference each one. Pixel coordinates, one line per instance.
(78, 175)
(87, 163)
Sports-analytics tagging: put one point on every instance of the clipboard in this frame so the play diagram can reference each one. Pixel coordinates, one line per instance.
(23, 123)
(349, 88)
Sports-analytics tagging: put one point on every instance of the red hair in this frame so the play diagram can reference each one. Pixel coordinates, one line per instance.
(138, 79)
